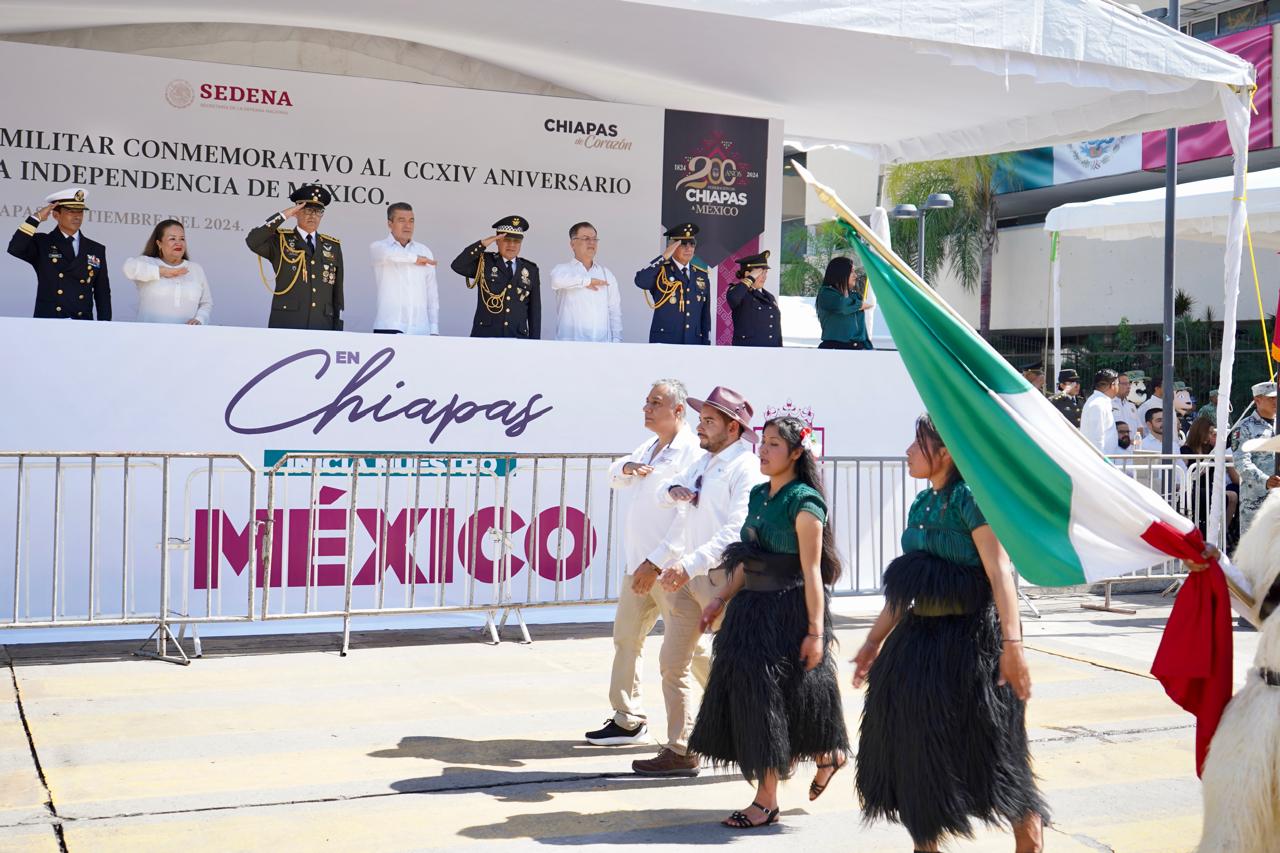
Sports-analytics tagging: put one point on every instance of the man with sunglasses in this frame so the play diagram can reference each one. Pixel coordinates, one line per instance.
(714, 492)
(678, 291)
(306, 286)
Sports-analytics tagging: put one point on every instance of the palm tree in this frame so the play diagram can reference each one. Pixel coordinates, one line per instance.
(805, 256)
(964, 236)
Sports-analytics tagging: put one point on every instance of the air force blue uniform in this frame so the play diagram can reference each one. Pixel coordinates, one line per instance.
(681, 302)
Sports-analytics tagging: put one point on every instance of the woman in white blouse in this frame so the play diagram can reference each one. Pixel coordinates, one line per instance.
(171, 288)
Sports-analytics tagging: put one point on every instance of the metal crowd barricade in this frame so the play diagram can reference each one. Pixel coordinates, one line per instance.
(95, 542)
(1184, 481)
(868, 500)
(353, 535)
(92, 539)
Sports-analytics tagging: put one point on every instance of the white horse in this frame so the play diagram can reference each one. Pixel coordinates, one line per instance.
(1241, 776)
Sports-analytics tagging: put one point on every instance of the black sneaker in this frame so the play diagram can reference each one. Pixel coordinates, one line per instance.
(615, 735)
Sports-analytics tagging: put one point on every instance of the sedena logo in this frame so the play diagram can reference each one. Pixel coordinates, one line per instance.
(179, 93)
(182, 94)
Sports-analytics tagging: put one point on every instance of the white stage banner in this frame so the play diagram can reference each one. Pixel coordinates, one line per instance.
(264, 393)
(148, 387)
(219, 147)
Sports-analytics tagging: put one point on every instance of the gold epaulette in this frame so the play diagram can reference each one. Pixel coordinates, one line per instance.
(283, 230)
(700, 269)
(331, 239)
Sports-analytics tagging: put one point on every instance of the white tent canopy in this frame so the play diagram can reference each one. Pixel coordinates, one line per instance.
(1201, 212)
(902, 79)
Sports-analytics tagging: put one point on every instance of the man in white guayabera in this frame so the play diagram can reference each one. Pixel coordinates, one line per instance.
(588, 305)
(405, 272)
(646, 522)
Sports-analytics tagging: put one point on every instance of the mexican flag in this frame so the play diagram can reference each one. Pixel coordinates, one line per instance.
(1062, 511)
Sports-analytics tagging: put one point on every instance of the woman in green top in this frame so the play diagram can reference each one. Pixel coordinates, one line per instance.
(773, 695)
(944, 736)
(840, 306)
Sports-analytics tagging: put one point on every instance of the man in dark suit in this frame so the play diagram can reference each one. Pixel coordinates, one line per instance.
(757, 319)
(308, 265)
(678, 291)
(509, 292)
(71, 269)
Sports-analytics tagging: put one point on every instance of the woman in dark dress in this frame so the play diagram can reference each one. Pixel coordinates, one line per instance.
(943, 738)
(773, 696)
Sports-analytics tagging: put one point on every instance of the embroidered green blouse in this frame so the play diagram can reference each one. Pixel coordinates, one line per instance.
(942, 523)
(771, 521)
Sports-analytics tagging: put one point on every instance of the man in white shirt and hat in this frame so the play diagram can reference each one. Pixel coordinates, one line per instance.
(588, 305)
(646, 523)
(71, 269)
(715, 491)
(405, 276)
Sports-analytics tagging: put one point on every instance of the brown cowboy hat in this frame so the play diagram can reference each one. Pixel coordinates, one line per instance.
(731, 403)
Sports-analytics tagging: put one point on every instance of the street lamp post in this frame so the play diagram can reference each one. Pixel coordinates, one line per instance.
(935, 201)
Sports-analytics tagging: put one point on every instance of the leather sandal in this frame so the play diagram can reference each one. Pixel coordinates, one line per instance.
(816, 789)
(739, 820)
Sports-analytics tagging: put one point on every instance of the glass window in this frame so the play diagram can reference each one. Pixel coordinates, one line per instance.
(1242, 18)
(1206, 29)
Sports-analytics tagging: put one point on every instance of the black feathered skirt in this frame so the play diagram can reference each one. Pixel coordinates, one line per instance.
(941, 744)
(761, 710)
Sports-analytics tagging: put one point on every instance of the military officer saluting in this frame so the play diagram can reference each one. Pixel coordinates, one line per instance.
(509, 292)
(1068, 399)
(757, 320)
(71, 269)
(678, 291)
(308, 265)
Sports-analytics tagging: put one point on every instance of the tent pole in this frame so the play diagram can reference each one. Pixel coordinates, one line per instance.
(1170, 225)
(1055, 265)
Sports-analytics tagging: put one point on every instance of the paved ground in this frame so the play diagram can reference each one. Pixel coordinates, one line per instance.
(430, 740)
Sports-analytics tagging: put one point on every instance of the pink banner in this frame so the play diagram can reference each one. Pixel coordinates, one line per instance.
(1210, 140)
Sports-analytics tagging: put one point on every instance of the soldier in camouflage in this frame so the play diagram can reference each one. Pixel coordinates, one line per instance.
(1068, 399)
(1257, 469)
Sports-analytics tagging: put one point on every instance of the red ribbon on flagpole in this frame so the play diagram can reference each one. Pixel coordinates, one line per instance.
(1194, 662)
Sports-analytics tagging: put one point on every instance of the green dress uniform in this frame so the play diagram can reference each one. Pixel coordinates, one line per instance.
(308, 282)
(308, 272)
(1254, 468)
(508, 293)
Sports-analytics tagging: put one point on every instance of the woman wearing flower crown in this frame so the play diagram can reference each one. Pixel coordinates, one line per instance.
(773, 697)
(944, 740)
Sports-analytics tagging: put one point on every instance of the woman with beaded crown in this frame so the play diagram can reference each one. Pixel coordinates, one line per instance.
(773, 696)
(943, 737)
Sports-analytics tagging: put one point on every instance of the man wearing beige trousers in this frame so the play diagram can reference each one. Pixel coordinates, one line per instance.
(714, 491)
(646, 523)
